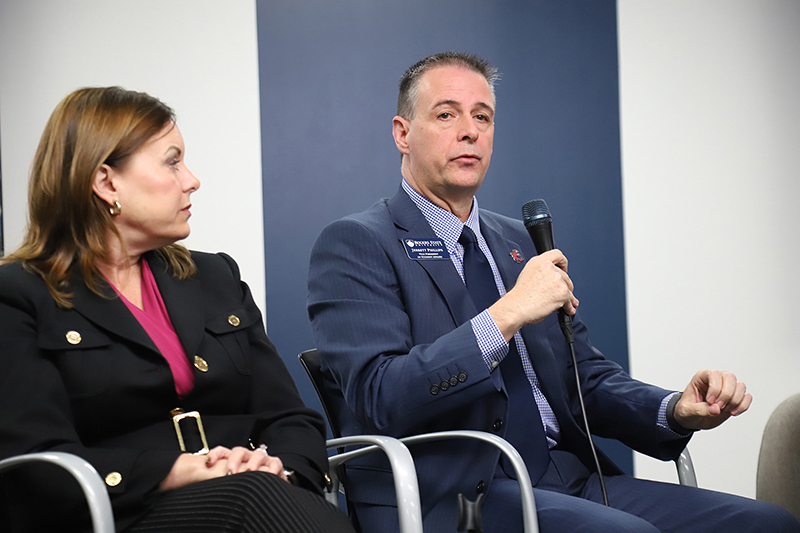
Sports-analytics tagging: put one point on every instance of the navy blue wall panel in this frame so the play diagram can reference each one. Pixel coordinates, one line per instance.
(328, 74)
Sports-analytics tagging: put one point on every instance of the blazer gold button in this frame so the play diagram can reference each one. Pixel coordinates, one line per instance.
(233, 320)
(113, 479)
(73, 337)
(200, 364)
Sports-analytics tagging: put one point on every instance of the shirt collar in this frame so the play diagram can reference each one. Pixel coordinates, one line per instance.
(445, 224)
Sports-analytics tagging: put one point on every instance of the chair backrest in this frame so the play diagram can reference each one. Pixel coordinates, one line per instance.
(340, 418)
(335, 412)
(778, 478)
(311, 363)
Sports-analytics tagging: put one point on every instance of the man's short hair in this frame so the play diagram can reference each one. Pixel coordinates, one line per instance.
(409, 82)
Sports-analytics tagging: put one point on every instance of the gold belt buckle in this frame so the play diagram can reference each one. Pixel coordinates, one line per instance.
(177, 416)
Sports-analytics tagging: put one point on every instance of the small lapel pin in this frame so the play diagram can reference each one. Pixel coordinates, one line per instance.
(516, 256)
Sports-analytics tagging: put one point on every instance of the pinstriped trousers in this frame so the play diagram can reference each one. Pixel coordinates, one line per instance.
(250, 502)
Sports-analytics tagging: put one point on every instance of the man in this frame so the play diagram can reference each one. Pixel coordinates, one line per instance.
(398, 305)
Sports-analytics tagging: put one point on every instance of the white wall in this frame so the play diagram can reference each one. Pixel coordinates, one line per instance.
(711, 151)
(198, 56)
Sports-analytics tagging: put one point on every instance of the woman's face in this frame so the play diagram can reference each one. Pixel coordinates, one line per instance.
(153, 187)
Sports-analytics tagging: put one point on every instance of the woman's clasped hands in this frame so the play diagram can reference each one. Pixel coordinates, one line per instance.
(221, 461)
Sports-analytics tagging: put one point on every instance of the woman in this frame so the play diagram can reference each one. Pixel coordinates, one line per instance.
(112, 336)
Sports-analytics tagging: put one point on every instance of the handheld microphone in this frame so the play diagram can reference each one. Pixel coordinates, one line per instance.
(539, 223)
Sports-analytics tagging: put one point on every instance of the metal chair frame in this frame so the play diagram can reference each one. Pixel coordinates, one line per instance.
(92, 485)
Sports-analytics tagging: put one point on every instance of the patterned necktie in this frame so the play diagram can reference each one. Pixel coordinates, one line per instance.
(524, 425)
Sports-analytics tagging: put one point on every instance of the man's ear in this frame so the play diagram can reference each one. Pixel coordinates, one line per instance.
(103, 185)
(400, 129)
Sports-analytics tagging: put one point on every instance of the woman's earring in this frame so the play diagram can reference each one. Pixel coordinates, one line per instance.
(115, 210)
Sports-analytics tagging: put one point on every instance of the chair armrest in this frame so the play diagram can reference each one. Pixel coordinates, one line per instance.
(529, 519)
(94, 489)
(686, 475)
(404, 473)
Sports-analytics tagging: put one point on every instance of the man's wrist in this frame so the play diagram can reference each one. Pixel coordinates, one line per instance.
(673, 424)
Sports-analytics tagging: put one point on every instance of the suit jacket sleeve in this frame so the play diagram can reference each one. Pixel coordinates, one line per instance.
(618, 406)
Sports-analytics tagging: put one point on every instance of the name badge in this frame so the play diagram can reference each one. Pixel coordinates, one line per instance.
(425, 249)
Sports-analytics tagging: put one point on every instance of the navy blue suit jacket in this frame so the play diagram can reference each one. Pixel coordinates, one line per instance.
(389, 329)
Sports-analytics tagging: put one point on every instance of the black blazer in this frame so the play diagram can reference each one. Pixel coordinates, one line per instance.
(90, 381)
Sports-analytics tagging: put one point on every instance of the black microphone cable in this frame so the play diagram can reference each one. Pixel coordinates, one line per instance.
(539, 223)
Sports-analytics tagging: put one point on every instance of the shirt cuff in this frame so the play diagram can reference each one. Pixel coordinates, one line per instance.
(666, 420)
(491, 343)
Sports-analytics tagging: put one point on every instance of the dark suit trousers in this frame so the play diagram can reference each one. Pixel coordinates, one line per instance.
(251, 502)
(568, 499)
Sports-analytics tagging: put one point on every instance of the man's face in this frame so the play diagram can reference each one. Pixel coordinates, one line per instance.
(448, 143)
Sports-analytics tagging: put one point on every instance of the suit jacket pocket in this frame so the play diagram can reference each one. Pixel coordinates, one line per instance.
(230, 329)
(80, 352)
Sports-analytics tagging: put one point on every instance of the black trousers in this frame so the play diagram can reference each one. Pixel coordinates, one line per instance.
(250, 502)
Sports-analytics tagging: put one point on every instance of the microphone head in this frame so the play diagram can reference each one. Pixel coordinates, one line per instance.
(535, 212)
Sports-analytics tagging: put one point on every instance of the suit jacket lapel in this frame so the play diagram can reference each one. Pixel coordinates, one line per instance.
(110, 313)
(501, 252)
(410, 223)
(184, 302)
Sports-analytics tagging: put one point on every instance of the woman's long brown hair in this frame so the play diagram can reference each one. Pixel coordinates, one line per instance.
(67, 222)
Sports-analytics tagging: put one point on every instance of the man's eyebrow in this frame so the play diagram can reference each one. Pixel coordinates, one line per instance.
(485, 106)
(456, 103)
